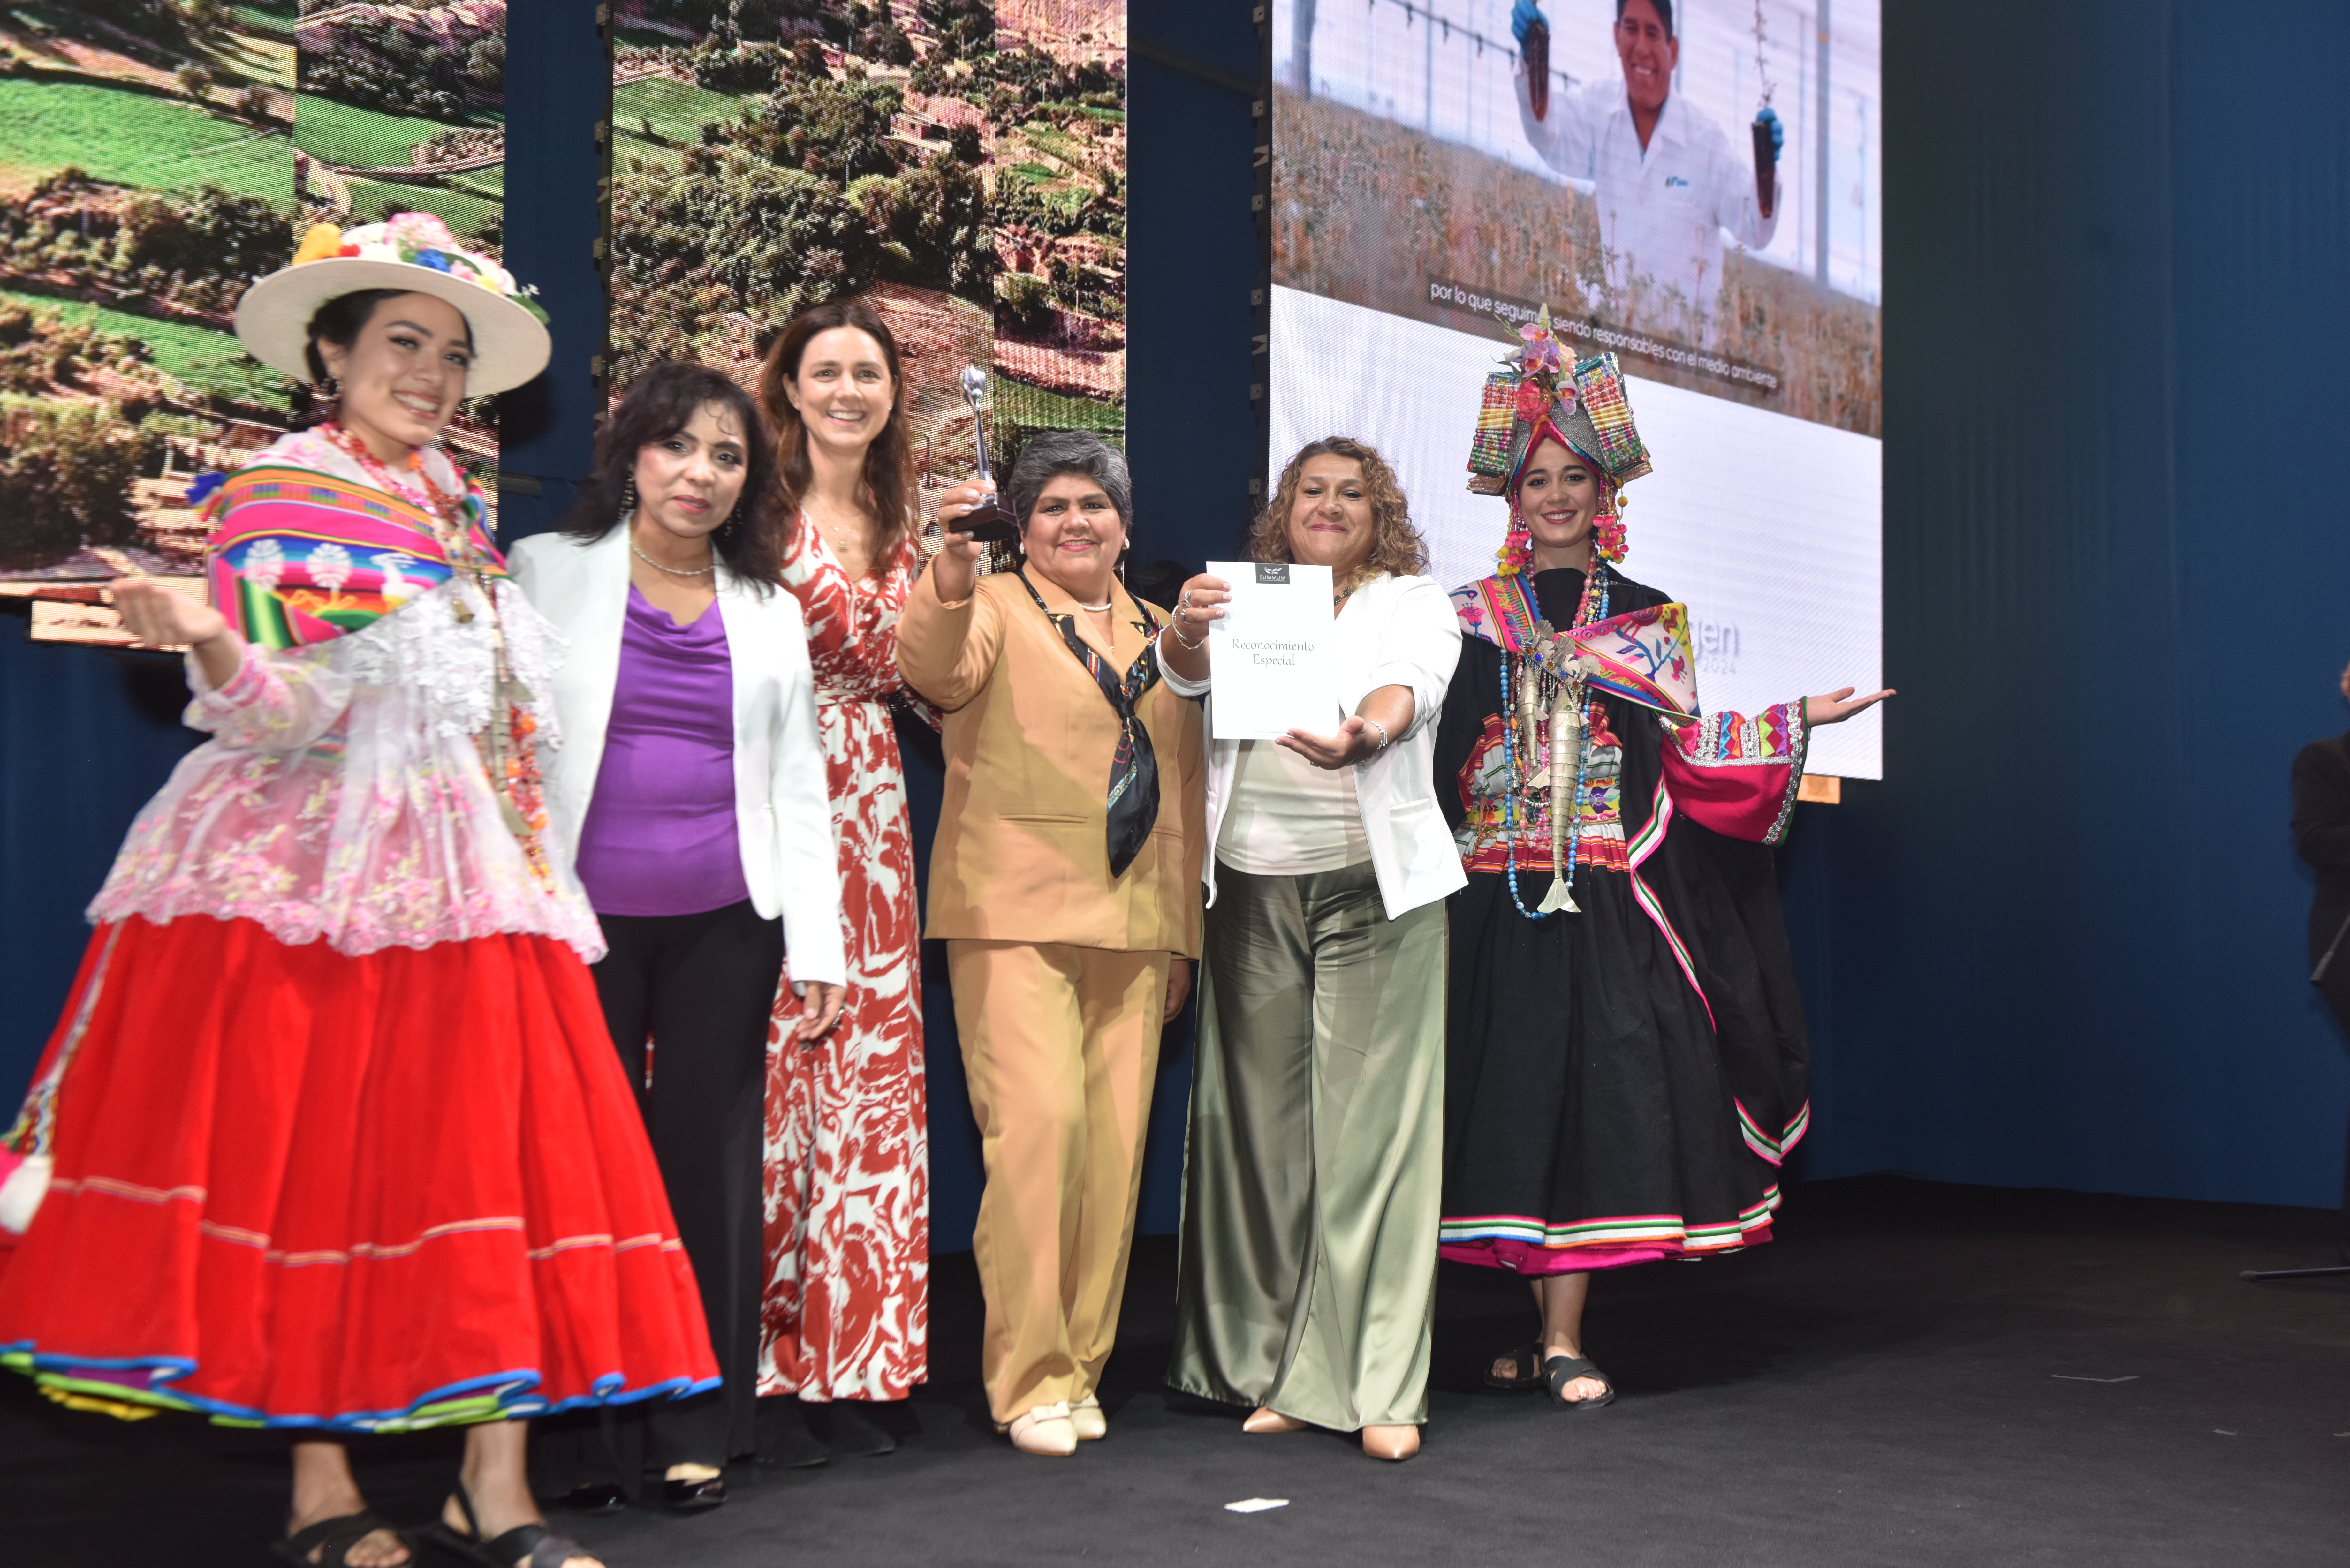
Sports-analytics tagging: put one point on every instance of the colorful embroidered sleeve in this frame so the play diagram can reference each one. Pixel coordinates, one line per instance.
(274, 702)
(1737, 773)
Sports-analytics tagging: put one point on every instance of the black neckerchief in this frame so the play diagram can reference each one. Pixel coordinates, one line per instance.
(1134, 766)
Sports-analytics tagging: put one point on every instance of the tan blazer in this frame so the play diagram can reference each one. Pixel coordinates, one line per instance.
(1023, 851)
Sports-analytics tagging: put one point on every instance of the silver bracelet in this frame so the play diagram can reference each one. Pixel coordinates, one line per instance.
(1384, 741)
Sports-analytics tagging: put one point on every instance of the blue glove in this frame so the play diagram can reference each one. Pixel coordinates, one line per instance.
(1522, 16)
(1769, 116)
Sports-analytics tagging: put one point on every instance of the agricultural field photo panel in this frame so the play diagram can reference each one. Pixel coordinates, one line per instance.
(148, 178)
(401, 108)
(771, 154)
(1057, 111)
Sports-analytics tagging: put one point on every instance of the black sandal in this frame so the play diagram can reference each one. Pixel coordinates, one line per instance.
(333, 1539)
(1527, 1360)
(524, 1546)
(1561, 1370)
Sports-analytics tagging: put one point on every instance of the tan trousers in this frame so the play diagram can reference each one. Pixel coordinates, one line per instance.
(1060, 1045)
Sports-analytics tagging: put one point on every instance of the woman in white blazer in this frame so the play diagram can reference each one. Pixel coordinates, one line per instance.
(1307, 1279)
(691, 787)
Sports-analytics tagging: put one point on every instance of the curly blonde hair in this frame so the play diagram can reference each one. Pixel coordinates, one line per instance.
(1396, 545)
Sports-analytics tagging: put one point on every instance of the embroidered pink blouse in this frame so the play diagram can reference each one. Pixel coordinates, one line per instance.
(342, 797)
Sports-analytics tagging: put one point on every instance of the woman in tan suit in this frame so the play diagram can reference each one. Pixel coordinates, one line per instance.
(1065, 881)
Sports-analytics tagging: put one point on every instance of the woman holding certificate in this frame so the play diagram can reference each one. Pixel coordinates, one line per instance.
(1063, 879)
(1308, 1270)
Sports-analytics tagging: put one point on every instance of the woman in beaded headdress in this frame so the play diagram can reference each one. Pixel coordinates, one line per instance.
(1624, 1049)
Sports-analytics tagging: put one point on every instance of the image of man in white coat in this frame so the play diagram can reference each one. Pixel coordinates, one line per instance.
(1668, 183)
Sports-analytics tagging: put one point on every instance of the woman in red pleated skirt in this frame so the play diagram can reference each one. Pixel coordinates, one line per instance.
(331, 1136)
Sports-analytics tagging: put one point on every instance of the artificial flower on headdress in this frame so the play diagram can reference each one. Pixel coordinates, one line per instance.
(1541, 352)
(1534, 401)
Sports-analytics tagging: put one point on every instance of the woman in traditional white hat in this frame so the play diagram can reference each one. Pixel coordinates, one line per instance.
(330, 1136)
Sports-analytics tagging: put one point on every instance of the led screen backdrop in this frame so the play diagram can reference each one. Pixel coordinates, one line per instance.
(1429, 186)
(958, 164)
(160, 157)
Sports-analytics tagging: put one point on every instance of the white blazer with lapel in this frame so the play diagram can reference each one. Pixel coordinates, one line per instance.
(783, 815)
(1396, 631)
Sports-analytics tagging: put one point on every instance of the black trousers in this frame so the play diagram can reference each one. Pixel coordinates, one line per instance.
(701, 987)
(2325, 921)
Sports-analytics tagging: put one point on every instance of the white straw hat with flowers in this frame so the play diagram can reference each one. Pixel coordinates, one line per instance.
(416, 254)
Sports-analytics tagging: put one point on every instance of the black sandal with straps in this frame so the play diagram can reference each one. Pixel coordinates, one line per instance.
(1558, 1371)
(332, 1540)
(524, 1546)
(1525, 1370)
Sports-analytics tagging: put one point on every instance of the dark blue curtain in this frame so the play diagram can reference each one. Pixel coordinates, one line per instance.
(2062, 945)
(86, 736)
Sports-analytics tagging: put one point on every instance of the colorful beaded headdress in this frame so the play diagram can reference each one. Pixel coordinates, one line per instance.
(1583, 407)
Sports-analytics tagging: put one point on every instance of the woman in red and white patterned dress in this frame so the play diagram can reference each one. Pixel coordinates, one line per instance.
(848, 1176)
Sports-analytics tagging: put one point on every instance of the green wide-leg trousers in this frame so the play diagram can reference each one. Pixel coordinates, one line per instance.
(1314, 1170)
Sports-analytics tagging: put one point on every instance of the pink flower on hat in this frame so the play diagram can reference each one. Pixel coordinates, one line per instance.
(419, 232)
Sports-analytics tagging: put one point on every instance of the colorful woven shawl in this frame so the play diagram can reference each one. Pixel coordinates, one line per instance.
(299, 557)
(1642, 656)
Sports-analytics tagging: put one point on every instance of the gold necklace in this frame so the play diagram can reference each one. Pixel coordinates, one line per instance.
(673, 571)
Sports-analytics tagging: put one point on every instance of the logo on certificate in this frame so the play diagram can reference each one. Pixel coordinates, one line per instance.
(1272, 571)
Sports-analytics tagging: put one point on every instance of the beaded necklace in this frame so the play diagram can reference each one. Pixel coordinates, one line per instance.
(424, 495)
(1589, 609)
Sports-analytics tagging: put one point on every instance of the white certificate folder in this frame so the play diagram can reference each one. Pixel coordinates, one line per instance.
(1268, 654)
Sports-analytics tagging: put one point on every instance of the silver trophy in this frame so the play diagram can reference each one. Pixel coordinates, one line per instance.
(987, 522)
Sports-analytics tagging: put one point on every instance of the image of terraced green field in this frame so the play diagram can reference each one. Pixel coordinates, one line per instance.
(148, 176)
(959, 164)
(160, 157)
(402, 108)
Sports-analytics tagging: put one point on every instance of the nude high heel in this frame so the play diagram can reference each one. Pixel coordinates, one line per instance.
(1392, 1443)
(1045, 1430)
(1265, 1418)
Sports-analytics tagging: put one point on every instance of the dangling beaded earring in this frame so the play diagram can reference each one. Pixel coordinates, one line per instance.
(328, 389)
(628, 496)
(1517, 545)
(1607, 528)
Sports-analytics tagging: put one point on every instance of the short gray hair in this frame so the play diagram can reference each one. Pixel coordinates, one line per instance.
(1052, 453)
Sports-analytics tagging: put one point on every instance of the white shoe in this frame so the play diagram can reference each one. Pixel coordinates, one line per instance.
(1046, 1431)
(1086, 1416)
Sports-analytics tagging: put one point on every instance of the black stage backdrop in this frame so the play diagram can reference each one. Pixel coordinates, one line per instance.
(2061, 945)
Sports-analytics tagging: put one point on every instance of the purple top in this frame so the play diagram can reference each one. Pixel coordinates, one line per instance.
(660, 836)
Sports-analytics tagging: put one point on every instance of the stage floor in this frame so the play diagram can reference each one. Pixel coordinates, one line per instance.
(1911, 1374)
